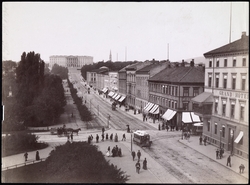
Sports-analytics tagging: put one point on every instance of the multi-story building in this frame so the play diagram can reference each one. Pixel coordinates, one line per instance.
(224, 104)
(131, 81)
(172, 89)
(141, 88)
(70, 61)
(122, 83)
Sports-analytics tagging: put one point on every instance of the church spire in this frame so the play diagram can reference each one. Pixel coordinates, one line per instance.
(110, 56)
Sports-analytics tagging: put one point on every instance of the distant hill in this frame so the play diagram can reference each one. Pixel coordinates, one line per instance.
(197, 60)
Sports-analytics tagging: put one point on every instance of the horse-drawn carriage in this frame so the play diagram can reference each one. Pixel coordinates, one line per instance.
(62, 131)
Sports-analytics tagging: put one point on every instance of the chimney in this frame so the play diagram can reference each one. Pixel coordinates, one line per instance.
(182, 63)
(243, 34)
(192, 63)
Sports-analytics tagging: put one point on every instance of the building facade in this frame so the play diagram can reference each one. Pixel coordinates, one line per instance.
(224, 104)
(70, 61)
(172, 90)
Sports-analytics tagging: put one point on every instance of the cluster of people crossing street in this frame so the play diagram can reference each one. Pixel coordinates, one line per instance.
(137, 164)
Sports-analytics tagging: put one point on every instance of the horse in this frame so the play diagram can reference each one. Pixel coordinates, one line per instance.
(73, 130)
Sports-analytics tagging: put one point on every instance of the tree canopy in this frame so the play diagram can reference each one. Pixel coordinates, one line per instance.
(60, 70)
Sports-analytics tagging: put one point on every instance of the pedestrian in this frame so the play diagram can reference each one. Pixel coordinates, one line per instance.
(107, 136)
(167, 128)
(103, 136)
(26, 156)
(111, 137)
(217, 153)
(97, 138)
(188, 136)
(139, 155)
(124, 137)
(138, 166)
(103, 130)
(71, 136)
(109, 148)
(91, 137)
(37, 156)
(119, 152)
(241, 167)
(68, 137)
(133, 155)
(229, 160)
(145, 164)
(205, 141)
(113, 152)
(116, 137)
(200, 140)
(116, 150)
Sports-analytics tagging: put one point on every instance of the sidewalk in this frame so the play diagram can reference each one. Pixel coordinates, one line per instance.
(210, 151)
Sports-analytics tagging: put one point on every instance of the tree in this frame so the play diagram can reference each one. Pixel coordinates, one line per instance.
(59, 70)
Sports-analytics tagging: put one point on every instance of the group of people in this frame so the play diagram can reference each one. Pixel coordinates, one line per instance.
(115, 152)
(204, 140)
(219, 153)
(137, 164)
(26, 156)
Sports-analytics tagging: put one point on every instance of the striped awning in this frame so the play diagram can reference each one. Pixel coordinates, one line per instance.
(186, 117)
(195, 118)
(149, 107)
(104, 90)
(167, 114)
(117, 97)
(239, 137)
(154, 109)
(111, 93)
(114, 95)
(122, 98)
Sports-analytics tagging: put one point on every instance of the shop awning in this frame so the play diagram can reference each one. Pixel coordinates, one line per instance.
(171, 115)
(122, 98)
(167, 114)
(186, 118)
(104, 90)
(153, 110)
(239, 137)
(199, 124)
(114, 95)
(111, 93)
(149, 107)
(117, 97)
(195, 118)
(203, 98)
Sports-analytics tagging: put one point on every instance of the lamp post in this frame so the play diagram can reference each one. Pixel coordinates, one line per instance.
(131, 142)
(220, 138)
(232, 141)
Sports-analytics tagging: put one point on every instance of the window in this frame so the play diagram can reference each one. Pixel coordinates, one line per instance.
(175, 105)
(176, 89)
(208, 126)
(232, 109)
(242, 112)
(234, 62)
(210, 63)
(216, 108)
(217, 81)
(185, 91)
(223, 131)
(225, 81)
(196, 91)
(244, 61)
(215, 128)
(209, 80)
(217, 63)
(169, 103)
(243, 82)
(225, 62)
(173, 90)
(233, 81)
(223, 107)
(172, 104)
(185, 105)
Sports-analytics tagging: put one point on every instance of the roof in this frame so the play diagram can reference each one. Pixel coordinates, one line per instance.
(141, 133)
(147, 68)
(180, 75)
(240, 45)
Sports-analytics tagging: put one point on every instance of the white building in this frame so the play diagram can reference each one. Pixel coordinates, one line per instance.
(70, 61)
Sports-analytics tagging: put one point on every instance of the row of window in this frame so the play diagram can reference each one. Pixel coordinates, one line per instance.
(232, 110)
(225, 83)
(222, 131)
(244, 62)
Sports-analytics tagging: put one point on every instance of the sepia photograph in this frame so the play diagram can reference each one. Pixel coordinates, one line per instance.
(125, 92)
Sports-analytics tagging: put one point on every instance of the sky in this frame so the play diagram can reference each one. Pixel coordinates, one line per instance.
(130, 30)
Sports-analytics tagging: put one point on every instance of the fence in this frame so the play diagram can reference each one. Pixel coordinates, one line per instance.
(23, 164)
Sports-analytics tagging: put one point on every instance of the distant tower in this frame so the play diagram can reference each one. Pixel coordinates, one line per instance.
(110, 56)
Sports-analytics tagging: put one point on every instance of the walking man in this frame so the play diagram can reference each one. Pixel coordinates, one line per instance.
(37, 156)
(26, 156)
(139, 155)
(241, 167)
(103, 136)
(205, 141)
(200, 140)
(97, 138)
(229, 160)
(71, 137)
(107, 136)
(217, 153)
(133, 155)
(124, 137)
(138, 166)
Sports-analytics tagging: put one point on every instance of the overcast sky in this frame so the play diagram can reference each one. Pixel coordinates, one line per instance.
(144, 28)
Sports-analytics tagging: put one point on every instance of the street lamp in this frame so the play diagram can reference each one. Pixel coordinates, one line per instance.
(220, 138)
(232, 141)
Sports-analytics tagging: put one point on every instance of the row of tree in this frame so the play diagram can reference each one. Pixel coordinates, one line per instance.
(60, 70)
(38, 98)
(83, 110)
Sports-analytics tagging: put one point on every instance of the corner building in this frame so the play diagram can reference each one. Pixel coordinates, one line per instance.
(224, 104)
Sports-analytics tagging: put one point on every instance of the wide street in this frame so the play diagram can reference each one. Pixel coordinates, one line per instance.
(169, 160)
